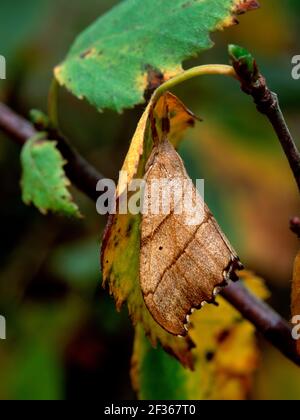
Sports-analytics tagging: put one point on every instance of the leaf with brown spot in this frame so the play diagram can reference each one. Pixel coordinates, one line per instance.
(244, 6)
(121, 271)
(180, 119)
(122, 57)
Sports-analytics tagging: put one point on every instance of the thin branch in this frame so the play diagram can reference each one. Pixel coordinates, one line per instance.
(274, 328)
(15, 126)
(254, 84)
(268, 322)
(83, 175)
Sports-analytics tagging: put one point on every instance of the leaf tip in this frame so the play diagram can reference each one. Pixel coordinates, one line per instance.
(244, 6)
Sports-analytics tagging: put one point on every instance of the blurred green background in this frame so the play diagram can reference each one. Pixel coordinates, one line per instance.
(64, 337)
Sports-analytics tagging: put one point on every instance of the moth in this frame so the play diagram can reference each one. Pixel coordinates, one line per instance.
(182, 265)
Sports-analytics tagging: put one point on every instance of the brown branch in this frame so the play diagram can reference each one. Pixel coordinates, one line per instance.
(273, 327)
(268, 322)
(254, 84)
(83, 175)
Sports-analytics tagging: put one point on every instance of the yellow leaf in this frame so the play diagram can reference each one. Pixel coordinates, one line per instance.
(121, 244)
(226, 351)
(180, 118)
(225, 355)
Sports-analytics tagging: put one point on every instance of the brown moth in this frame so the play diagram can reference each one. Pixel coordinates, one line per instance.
(182, 265)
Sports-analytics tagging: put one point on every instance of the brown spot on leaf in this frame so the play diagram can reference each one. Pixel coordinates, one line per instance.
(85, 53)
(106, 236)
(155, 78)
(191, 122)
(246, 6)
(166, 125)
(210, 355)
(129, 229)
(90, 52)
(223, 336)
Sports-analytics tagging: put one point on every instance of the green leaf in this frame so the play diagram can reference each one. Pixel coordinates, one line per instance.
(44, 182)
(140, 44)
(243, 62)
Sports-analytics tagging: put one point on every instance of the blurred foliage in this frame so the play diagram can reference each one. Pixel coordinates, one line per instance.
(64, 334)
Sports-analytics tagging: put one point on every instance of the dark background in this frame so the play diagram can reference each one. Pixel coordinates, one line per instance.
(65, 339)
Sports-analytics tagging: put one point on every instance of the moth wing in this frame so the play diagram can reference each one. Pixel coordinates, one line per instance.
(181, 263)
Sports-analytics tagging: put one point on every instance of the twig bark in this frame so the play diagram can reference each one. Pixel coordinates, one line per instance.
(273, 327)
(268, 322)
(254, 84)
